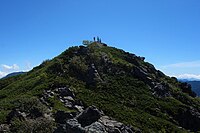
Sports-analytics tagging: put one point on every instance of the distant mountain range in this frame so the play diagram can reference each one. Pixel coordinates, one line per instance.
(195, 83)
(195, 86)
(189, 79)
(14, 74)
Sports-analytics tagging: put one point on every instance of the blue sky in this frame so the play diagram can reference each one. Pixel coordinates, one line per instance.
(166, 32)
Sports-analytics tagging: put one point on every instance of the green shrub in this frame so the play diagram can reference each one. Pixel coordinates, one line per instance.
(40, 125)
(31, 105)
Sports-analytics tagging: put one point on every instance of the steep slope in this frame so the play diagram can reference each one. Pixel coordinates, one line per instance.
(121, 84)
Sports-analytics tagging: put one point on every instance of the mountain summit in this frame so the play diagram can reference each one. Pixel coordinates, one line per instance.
(97, 89)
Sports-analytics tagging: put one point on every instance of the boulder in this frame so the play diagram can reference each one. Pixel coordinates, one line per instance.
(89, 116)
(73, 126)
(111, 125)
(61, 117)
(65, 91)
(95, 128)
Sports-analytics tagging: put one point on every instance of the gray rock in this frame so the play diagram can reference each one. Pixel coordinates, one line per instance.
(140, 73)
(79, 108)
(4, 128)
(69, 98)
(65, 91)
(161, 90)
(61, 117)
(72, 126)
(113, 126)
(68, 104)
(110, 124)
(93, 75)
(89, 116)
(105, 58)
(95, 128)
(48, 91)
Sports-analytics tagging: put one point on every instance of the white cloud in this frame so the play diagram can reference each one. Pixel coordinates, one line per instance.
(191, 64)
(8, 68)
(187, 76)
(2, 74)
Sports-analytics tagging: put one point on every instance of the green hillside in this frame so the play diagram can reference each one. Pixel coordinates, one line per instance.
(121, 84)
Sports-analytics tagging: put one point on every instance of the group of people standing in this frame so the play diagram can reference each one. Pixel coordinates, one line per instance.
(98, 39)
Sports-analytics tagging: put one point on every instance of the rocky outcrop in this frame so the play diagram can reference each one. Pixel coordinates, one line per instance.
(65, 95)
(105, 59)
(86, 119)
(93, 75)
(161, 90)
(142, 74)
(92, 120)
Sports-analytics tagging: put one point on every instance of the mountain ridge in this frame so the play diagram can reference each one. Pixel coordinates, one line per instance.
(119, 83)
(13, 74)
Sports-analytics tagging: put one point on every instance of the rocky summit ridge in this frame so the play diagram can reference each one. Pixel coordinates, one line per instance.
(97, 89)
